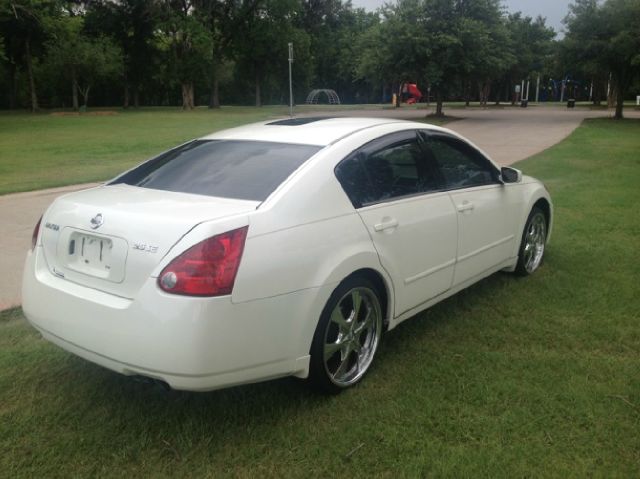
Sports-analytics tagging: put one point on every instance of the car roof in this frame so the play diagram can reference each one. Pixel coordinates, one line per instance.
(305, 130)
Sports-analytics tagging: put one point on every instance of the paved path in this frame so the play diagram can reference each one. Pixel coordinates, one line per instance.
(19, 213)
(508, 135)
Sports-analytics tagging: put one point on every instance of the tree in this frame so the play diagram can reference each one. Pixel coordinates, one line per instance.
(531, 40)
(188, 43)
(82, 59)
(132, 25)
(261, 45)
(21, 22)
(335, 29)
(406, 57)
(222, 19)
(606, 37)
(578, 47)
(484, 53)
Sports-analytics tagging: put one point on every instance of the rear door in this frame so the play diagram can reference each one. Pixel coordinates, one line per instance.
(485, 237)
(411, 221)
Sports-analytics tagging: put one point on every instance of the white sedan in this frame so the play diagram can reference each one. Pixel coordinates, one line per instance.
(275, 249)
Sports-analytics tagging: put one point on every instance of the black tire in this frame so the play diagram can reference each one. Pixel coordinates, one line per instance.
(347, 336)
(532, 243)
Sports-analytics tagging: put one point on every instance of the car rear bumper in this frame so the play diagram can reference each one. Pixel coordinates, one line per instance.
(190, 343)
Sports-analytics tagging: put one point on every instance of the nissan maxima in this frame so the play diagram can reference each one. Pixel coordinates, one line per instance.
(283, 248)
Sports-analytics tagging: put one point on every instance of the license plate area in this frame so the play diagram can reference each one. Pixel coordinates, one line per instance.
(100, 256)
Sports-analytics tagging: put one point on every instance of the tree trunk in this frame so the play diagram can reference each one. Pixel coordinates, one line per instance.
(136, 97)
(467, 94)
(612, 95)
(74, 89)
(125, 103)
(485, 91)
(439, 103)
(214, 99)
(13, 85)
(187, 96)
(32, 82)
(74, 94)
(619, 102)
(258, 94)
(597, 93)
(85, 96)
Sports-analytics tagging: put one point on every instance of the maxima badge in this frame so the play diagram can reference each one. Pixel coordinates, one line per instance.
(96, 221)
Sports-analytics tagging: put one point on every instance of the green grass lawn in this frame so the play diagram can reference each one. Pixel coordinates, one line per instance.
(41, 151)
(63, 148)
(515, 377)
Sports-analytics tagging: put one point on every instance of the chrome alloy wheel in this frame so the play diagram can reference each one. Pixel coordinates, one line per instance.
(534, 241)
(352, 335)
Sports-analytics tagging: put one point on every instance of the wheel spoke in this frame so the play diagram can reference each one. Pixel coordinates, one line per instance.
(330, 349)
(363, 325)
(341, 369)
(356, 298)
(336, 317)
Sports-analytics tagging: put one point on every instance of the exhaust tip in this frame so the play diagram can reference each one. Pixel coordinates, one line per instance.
(159, 383)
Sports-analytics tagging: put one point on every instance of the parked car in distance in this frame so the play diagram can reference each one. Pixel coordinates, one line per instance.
(279, 248)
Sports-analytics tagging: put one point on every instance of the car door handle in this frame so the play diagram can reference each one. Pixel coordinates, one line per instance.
(465, 206)
(386, 224)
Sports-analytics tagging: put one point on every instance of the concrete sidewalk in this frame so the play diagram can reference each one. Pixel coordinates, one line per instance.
(19, 214)
(507, 135)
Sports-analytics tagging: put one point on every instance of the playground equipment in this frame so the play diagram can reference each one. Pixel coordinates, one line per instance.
(409, 93)
(315, 95)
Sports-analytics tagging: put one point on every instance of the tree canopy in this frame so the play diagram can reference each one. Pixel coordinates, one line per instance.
(208, 52)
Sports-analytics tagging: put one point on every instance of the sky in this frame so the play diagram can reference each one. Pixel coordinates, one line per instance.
(553, 10)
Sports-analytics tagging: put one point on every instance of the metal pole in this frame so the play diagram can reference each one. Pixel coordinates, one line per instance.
(538, 89)
(290, 81)
(522, 91)
(528, 83)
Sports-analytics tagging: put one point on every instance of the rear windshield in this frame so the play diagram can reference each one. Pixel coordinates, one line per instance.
(246, 170)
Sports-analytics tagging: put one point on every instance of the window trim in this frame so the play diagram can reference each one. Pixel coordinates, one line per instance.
(378, 144)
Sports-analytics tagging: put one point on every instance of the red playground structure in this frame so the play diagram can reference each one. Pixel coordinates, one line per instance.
(409, 93)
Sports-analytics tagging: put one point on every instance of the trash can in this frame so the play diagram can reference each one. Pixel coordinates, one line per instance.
(571, 103)
(524, 103)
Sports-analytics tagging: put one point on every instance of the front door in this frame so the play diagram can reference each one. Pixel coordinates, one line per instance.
(485, 238)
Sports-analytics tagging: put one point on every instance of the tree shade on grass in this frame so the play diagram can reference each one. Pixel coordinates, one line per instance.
(515, 377)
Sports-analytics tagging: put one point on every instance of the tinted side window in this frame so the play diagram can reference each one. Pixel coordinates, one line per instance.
(392, 171)
(247, 170)
(354, 181)
(399, 170)
(460, 164)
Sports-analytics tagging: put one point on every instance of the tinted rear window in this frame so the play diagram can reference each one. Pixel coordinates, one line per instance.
(247, 170)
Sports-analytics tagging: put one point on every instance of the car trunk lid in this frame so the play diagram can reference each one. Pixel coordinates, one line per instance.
(111, 238)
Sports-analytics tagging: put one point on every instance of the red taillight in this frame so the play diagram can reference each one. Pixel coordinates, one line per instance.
(34, 236)
(208, 268)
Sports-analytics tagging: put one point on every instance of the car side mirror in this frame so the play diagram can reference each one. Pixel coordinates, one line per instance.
(510, 175)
